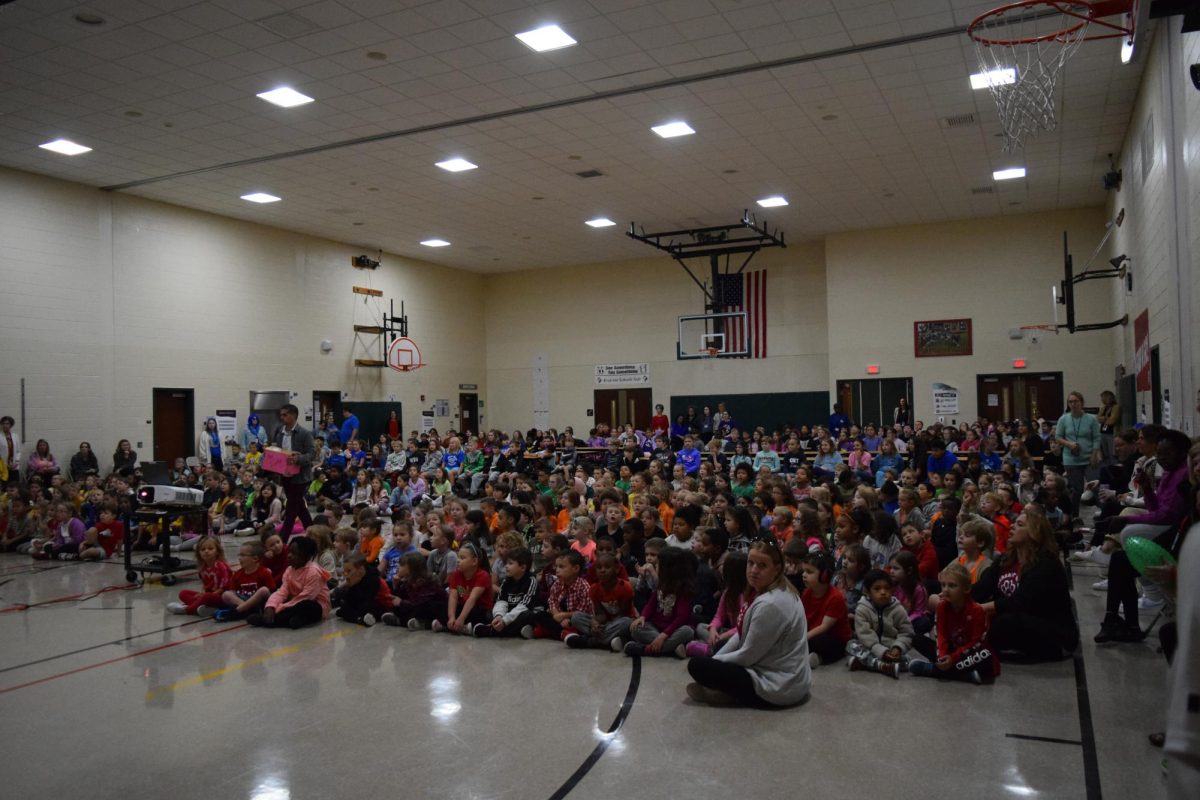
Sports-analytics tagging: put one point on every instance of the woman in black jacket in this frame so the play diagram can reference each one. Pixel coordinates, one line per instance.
(1026, 593)
(124, 458)
(84, 463)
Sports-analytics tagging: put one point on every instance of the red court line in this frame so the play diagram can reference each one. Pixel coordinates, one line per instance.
(125, 657)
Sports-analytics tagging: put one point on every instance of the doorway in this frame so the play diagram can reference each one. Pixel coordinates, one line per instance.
(1155, 387)
(619, 407)
(1032, 395)
(468, 413)
(873, 400)
(267, 405)
(324, 403)
(174, 425)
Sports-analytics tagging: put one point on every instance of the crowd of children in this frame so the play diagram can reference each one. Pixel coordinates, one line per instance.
(640, 551)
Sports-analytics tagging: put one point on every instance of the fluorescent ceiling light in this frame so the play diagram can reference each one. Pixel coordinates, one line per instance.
(547, 37)
(773, 202)
(673, 129)
(435, 243)
(456, 165)
(994, 77)
(1009, 174)
(66, 147)
(261, 197)
(285, 96)
(600, 222)
(1126, 51)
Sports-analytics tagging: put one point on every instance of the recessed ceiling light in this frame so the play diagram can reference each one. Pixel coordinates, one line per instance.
(773, 202)
(673, 129)
(435, 243)
(456, 165)
(285, 97)
(261, 197)
(1009, 174)
(994, 77)
(66, 147)
(547, 37)
(600, 222)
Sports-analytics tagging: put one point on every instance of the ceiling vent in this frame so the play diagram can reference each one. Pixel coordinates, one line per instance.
(590, 173)
(959, 120)
(983, 190)
(289, 25)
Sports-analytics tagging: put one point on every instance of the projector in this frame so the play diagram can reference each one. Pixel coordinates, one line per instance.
(170, 496)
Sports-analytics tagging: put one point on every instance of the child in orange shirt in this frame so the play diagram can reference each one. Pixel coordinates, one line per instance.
(370, 541)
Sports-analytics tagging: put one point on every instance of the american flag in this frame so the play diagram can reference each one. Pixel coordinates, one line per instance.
(746, 292)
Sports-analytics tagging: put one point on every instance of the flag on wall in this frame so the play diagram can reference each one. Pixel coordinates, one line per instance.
(746, 292)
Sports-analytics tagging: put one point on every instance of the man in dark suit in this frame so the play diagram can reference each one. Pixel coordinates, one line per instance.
(297, 439)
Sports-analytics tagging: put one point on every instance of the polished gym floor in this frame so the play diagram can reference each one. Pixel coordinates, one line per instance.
(107, 695)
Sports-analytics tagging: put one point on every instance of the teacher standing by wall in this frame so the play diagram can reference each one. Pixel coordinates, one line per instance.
(297, 439)
(1079, 434)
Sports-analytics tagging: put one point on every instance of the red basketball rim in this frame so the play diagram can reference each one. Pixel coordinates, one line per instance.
(1085, 12)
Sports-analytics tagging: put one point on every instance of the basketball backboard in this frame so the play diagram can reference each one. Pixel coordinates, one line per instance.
(727, 333)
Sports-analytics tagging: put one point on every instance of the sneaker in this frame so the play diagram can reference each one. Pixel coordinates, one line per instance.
(526, 631)
(1101, 586)
(681, 652)
(1108, 629)
(414, 624)
(481, 629)
(854, 664)
(975, 677)
(923, 669)
(890, 668)
(437, 626)
(1081, 555)
(575, 641)
(224, 615)
(617, 645)
(206, 611)
(814, 661)
(1147, 603)
(1129, 632)
(698, 649)
(712, 697)
(368, 620)
(176, 607)
(67, 557)
(390, 619)
(635, 649)
(1087, 497)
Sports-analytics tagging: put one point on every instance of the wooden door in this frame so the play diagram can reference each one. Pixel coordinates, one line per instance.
(1026, 396)
(174, 424)
(637, 408)
(468, 413)
(607, 405)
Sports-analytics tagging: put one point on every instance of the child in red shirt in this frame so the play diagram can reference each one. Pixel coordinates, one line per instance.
(249, 586)
(612, 606)
(214, 575)
(825, 611)
(102, 540)
(275, 552)
(570, 595)
(916, 543)
(471, 596)
(962, 624)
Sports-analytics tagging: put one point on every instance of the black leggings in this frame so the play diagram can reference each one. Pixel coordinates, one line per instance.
(731, 679)
(827, 646)
(1034, 637)
(306, 612)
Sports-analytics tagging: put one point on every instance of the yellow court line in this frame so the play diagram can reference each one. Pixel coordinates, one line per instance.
(204, 677)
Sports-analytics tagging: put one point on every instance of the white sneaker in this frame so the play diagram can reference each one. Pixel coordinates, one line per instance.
(1101, 586)
(1087, 497)
(176, 607)
(1146, 603)
(437, 626)
(368, 620)
(414, 624)
(1081, 555)
(617, 645)
(814, 660)
(205, 611)
(526, 631)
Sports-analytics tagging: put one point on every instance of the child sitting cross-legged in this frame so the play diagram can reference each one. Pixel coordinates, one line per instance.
(663, 626)
(512, 614)
(883, 633)
(302, 597)
(364, 597)
(569, 595)
(249, 586)
(735, 599)
(417, 597)
(962, 624)
(470, 598)
(825, 608)
(612, 604)
(214, 576)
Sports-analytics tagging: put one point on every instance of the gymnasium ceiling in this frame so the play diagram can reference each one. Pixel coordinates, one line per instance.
(853, 136)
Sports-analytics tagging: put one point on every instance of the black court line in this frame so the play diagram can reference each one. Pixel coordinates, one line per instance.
(1050, 739)
(98, 646)
(1091, 762)
(635, 678)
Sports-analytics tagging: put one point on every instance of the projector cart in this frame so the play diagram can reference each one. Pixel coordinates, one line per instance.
(163, 564)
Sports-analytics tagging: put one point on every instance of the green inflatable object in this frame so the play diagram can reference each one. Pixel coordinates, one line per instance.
(1143, 552)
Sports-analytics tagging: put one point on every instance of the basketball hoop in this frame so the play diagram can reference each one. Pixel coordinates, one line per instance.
(404, 355)
(1048, 328)
(1022, 47)
(711, 352)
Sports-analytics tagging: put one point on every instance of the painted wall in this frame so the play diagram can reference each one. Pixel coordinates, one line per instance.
(996, 272)
(107, 296)
(627, 312)
(1160, 193)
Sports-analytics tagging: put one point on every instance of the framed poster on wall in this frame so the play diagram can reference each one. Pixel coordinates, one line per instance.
(942, 337)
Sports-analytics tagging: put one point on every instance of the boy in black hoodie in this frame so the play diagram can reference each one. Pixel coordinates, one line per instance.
(513, 610)
(364, 597)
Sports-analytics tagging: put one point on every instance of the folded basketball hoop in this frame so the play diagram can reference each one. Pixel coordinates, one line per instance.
(1022, 47)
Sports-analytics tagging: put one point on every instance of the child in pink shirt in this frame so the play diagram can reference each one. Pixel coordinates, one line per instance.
(303, 594)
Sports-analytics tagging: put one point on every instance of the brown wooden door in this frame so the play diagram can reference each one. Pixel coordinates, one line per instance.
(1025, 396)
(174, 424)
(617, 407)
(637, 408)
(468, 413)
(607, 405)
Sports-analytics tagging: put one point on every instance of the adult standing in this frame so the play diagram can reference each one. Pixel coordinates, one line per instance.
(208, 446)
(659, 424)
(124, 458)
(901, 414)
(349, 429)
(1079, 434)
(254, 432)
(84, 463)
(299, 442)
(838, 421)
(1027, 595)
(765, 663)
(10, 447)
(393, 425)
(1109, 418)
